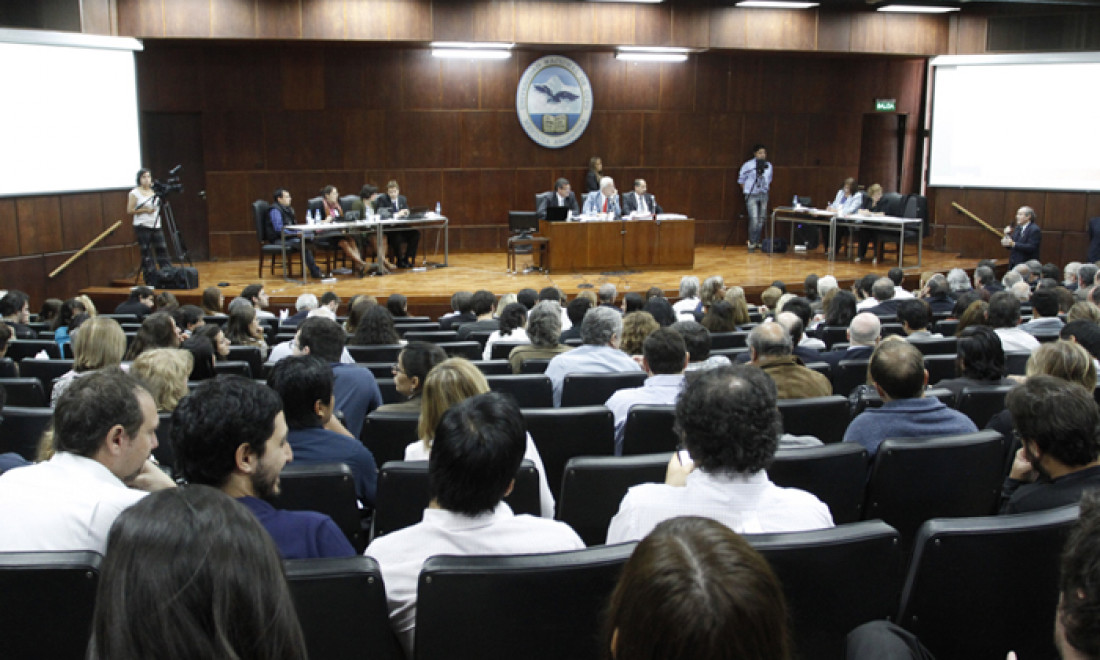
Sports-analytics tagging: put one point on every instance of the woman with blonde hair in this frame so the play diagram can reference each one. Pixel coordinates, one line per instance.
(450, 382)
(99, 343)
(1083, 311)
(165, 372)
(735, 296)
(636, 327)
(714, 288)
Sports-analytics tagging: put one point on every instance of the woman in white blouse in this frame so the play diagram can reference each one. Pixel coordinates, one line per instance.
(513, 324)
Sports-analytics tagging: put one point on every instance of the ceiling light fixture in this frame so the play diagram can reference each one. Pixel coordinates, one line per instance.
(916, 9)
(776, 4)
(471, 50)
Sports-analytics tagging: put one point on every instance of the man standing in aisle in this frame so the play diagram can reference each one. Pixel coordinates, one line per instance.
(755, 179)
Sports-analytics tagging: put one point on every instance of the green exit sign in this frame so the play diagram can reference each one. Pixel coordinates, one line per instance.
(886, 105)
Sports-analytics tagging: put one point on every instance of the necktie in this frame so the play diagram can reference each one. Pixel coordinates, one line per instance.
(641, 204)
(605, 205)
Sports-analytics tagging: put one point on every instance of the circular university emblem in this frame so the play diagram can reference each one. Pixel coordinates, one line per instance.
(554, 101)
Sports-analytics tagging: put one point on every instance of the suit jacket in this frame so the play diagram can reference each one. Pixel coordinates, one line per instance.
(594, 204)
(386, 207)
(630, 203)
(1027, 244)
(850, 353)
(1094, 239)
(550, 199)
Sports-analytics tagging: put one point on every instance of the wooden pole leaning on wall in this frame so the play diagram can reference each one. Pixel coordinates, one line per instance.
(91, 244)
(976, 219)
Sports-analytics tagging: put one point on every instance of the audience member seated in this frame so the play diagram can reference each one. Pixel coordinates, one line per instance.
(414, 362)
(512, 322)
(104, 430)
(719, 317)
(158, 330)
(140, 303)
(216, 336)
(915, 315)
(451, 382)
(1044, 313)
(977, 313)
(483, 306)
(206, 556)
(202, 357)
(305, 303)
(864, 333)
(477, 450)
(885, 298)
(376, 328)
(213, 301)
(304, 383)
(1004, 318)
(462, 311)
(398, 305)
(61, 323)
(257, 296)
(770, 349)
(543, 330)
(979, 362)
(355, 388)
(1059, 427)
(601, 332)
(243, 329)
(166, 301)
(898, 375)
(664, 358)
(1076, 633)
(689, 298)
(632, 302)
(697, 343)
(605, 200)
(713, 289)
(100, 344)
(164, 371)
(1085, 334)
(636, 327)
(694, 589)
(230, 433)
(730, 425)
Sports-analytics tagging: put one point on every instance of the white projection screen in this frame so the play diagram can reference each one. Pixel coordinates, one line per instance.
(1016, 121)
(69, 118)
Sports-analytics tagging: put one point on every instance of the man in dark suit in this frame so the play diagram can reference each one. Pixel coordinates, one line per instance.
(561, 195)
(863, 334)
(1094, 239)
(394, 205)
(639, 201)
(1024, 238)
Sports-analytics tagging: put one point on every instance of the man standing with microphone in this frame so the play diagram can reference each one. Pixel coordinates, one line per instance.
(755, 179)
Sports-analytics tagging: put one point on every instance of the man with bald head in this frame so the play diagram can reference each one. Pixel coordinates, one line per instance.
(863, 336)
(1024, 238)
(770, 349)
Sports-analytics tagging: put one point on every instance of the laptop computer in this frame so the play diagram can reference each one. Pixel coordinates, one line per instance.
(557, 213)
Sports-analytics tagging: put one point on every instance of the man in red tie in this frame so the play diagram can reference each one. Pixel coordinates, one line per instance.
(606, 200)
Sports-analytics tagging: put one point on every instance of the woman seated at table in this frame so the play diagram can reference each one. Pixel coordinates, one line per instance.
(368, 197)
(873, 204)
(848, 201)
(331, 212)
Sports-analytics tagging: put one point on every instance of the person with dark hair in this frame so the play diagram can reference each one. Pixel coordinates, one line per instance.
(640, 202)
(1085, 334)
(694, 589)
(213, 301)
(633, 302)
(202, 354)
(527, 297)
(601, 331)
(462, 306)
(771, 349)
(1044, 313)
(863, 290)
(1004, 318)
(1076, 627)
(664, 358)
(230, 433)
(355, 388)
(49, 310)
(404, 241)
(915, 315)
(661, 311)
(841, 309)
(801, 308)
(304, 383)
(729, 423)
(104, 433)
(166, 301)
(16, 312)
(561, 196)
(280, 214)
(376, 328)
(575, 312)
(980, 361)
(937, 293)
(223, 575)
(70, 309)
(1058, 424)
(255, 294)
(1023, 239)
(144, 205)
(964, 301)
(986, 280)
(409, 372)
(898, 375)
(188, 318)
(513, 328)
(593, 175)
(158, 330)
(719, 317)
(398, 305)
(478, 447)
(214, 333)
(243, 329)
(755, 178)
(697, 343)
(483, 305)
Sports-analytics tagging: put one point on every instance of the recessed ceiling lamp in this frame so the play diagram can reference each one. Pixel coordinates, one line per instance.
(652, 54)
(917, 9)
(471, 50)
(776, 4)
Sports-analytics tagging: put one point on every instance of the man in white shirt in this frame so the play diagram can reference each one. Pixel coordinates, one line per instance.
(664, 357)
(730, 425)
(600, 331)
(1004, 318)
(104, 431)
(477, 451)
(255, 294)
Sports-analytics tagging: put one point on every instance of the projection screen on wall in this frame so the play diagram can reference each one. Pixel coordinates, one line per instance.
(1016, 121)
(69, 118)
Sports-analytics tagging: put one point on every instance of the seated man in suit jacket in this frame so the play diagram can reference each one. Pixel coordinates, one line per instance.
(561, 195)
(604, 201)
(394, 205)
(863, 335)
(1023, 239)
(639, 201)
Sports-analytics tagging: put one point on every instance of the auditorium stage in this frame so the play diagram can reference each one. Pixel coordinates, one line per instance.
(429, 291)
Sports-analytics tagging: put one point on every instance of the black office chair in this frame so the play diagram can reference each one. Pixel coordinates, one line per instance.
(833, 334)
(403, 495)
(836, 474)
(386, 434)
(919, 479)
(502, 349)
(517, 606)
(389, 390)
(824, 417)
(834, 580)
(48, 599)
(594, 486)
(402, 328)
(341, 606)
(982, 403)
(22, 429)
(560, 434)
(26, 392)
(379, 370)
(870, 399)
(273, 249)
(249, 354)
(432, 336)
(480, 336)
(729, 339)
(596, 389)
(234, 368)
(1016, 362)
(529, 390)
(327, 488)
(648, 430)
(959, 598)
(494, 367)
(848, 375)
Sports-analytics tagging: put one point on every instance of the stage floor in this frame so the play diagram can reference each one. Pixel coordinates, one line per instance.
(470, 271)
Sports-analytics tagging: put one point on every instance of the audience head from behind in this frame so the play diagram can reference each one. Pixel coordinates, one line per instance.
(398, 305)
(304, 384)
(864, 330)
(664, 352)
(527, 297)
(212, 301)
(792, 324)
(768, 341)
(322, 338)
(513, 317)
(1022, 291)
(1083, 333)
(415, 362)
(478, 447)
(1083, 311)
(220, 570)
(636, 327)
(714, 288)
(606, 294)
(689, 287)
(980, 355)
(230, 433)
(576, 310)
(800, 307)
(450, 382)
(841, 309)
(1076, 626)
(1004, 310)
(696, 339)
(1044, 303)
(1063, 359)
(1086, 275)
(883, 289)
(602, 327)
(158, 330)
(1058, 423)
(661, 310)
(461, 301)
(863, 286)
(633, 302)
(914, 315)
(770, 296)
(202, 351)
(305, 302)
(483, 303)
(735, 296)
(165, 371)
(144, 295)
(375, 327)
(719, 317)
(100, 343)
(825, 285)
(166, 301)
(958, 280)
(654, 292)
(693, 588)
(544, 324)
(552, 293)
(938, 287)
(188, 319)
(896, 275)
(975, 313)
(897, 370)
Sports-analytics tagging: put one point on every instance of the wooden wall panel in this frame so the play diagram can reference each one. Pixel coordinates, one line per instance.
(39, 224)
(96, 18)
(114, 209)
(233, 19)
(653, 25)
(834, 31)
(323, 19)
(728, 29)
(141, 18)
(28, 274)
(781, 30)
(1064, 212)
(83, 219)
(235, 141)
(9, 229)
(279, 19)
(302, 79)
(190, 18)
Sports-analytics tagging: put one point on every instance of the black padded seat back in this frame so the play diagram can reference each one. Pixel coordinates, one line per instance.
(982, 403)
(388, 388)
(824, 417)
(26, 392)
(386, 434)
(480, 336)
(22, 429)
(1016, 362)
(947, 327)
(848, 375)
(648, 430)
(432, 336)
(945, 346)
(596, 389)
(836, 474)
(729, 339)
(471, 350)
(20, 349)
(594, 486)
(341, 604)
(403, 495)
(376, 353)
(834, 579)
(529, 390)
(534, 365)
(327, 488)
(560, 434)
(234, 368)
(502, 349)
(833, 334)
(249, 354)
(48, 599)
(494, 367)
(260, 209)
(940, 367)
(400, 320)
(915, 480)
(402, 328)
(958, 596)
(517, 606)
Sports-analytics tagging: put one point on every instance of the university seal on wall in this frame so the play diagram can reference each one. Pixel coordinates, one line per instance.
(554, 101)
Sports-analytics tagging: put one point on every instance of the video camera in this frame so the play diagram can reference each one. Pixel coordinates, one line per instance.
(170, 185)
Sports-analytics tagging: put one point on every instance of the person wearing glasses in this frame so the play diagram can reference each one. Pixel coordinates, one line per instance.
(412, 367)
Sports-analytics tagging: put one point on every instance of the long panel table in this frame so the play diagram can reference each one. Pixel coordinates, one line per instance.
(830, 219)
(664, 243)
